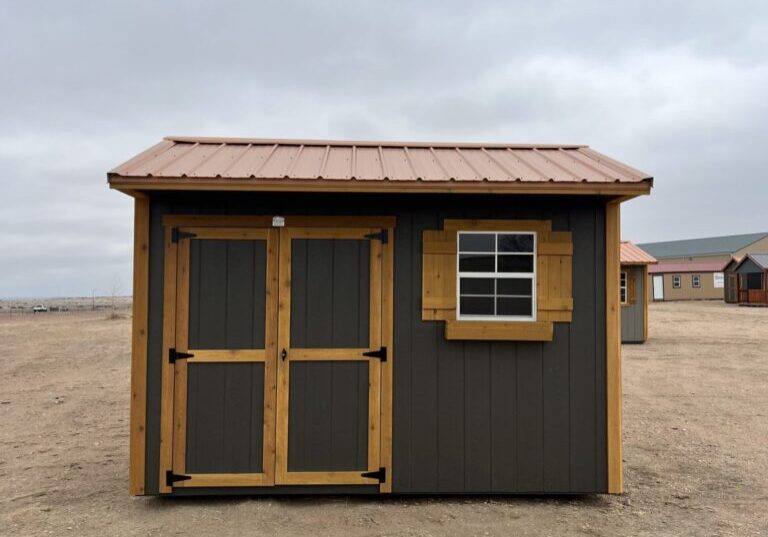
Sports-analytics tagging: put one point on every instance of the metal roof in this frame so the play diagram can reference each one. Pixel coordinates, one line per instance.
(703, 266)
(705, 246)
(244, 160)
(631, 254)
(761, 260)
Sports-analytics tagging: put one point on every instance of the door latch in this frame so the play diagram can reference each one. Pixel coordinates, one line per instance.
(284, 355)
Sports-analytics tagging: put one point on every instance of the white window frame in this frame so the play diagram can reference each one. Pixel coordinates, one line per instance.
(677, 278)
(623, 288)
(696, 281)
(497, 275)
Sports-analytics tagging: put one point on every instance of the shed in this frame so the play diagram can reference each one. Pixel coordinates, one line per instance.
(633, 294)
(752, 275)
(703, 280)
(375, 317)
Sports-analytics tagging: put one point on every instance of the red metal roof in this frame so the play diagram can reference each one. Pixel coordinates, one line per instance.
(703, 266)
(238, 159)
(631, 254)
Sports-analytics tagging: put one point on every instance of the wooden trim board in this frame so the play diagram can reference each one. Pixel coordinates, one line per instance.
(265, 221)
(613, 346)
(167, 374)
(137, 447)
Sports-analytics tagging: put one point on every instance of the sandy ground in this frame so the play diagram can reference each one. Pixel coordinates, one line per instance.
(696, 445)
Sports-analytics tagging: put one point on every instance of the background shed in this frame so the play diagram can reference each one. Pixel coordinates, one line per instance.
(633, 292)
(752, 272)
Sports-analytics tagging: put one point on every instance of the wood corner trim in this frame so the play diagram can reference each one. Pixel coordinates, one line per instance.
(138, 405)
(613, 347)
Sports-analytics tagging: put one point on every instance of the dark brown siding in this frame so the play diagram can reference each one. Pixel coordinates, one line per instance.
(485, 417)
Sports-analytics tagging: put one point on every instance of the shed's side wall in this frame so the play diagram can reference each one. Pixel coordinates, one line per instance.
(632, 322)
(707, 291)
(473, 416)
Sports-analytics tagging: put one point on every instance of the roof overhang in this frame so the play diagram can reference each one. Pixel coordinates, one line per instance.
(134, 185)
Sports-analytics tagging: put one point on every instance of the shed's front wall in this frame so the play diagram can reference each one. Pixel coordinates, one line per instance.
(633, 315)
(468, 416)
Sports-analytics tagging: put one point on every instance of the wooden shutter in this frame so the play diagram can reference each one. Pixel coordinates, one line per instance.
(631, 289)
(438, 278)
(554, 278)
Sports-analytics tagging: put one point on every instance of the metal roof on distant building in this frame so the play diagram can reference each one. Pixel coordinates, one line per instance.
(212, 162)
(631, 254)
(697, 247)
(703, 266)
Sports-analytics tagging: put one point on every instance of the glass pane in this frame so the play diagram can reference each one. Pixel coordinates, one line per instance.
(515, 263)
(476, 305)
(514, 286)
(514, 306)
(476, 286)
(476, 263)
(476, 242)
(515, 243)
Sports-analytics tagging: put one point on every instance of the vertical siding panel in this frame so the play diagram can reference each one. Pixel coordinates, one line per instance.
(583, 351)
(556, 392)
(424, 409)
(451, 422)
(600, 455)
(477, 418)
(530, 415)
(503, 417)
(406, 308)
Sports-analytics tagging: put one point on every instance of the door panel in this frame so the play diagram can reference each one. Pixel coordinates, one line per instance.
(225, 416)
(329, 392)
(328, 417)
(227, 294)
(223, 426)
(330, 290)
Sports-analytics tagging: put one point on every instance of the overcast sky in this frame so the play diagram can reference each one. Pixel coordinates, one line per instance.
(678, 89)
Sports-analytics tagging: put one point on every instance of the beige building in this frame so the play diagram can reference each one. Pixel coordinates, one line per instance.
(708, 249)
(687, 281)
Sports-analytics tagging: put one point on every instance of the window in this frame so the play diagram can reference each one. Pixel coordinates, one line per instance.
(623, 287)
(696, 281)
(676, 281)
(496, 275)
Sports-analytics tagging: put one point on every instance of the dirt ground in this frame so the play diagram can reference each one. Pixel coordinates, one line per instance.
(695, 445)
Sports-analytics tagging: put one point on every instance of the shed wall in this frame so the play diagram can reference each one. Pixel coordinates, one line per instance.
(686, 291)
(632, 321)
(468, 417)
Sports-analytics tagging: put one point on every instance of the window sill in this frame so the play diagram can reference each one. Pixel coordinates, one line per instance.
(499, 331)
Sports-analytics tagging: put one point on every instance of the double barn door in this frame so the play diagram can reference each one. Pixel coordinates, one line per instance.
(275, 347)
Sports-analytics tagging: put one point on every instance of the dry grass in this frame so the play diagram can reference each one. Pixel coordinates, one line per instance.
(696, 431)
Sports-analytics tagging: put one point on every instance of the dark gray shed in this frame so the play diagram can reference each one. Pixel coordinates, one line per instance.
(633, 293)
(375, 317)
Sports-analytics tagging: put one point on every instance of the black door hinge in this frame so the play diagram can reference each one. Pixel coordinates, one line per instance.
(177, 235)
(171, 478)
(382, 236)
(380, 474)
(381, 354)
(174, 355)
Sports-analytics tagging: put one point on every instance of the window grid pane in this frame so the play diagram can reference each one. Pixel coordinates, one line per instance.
(496, 273)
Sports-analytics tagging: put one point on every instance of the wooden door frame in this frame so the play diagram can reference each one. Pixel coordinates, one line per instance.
(214, 223)
(283, 475)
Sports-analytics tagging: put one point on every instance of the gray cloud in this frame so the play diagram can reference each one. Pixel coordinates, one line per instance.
(674, 88)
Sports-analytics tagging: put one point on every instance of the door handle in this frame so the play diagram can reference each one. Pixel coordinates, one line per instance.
(284, 355)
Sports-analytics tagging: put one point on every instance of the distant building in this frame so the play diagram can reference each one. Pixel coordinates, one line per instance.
(687, 281)
(707, 249)
(633, 293)
(692, 269)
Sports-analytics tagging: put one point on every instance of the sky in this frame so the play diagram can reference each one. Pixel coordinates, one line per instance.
(678, 89)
